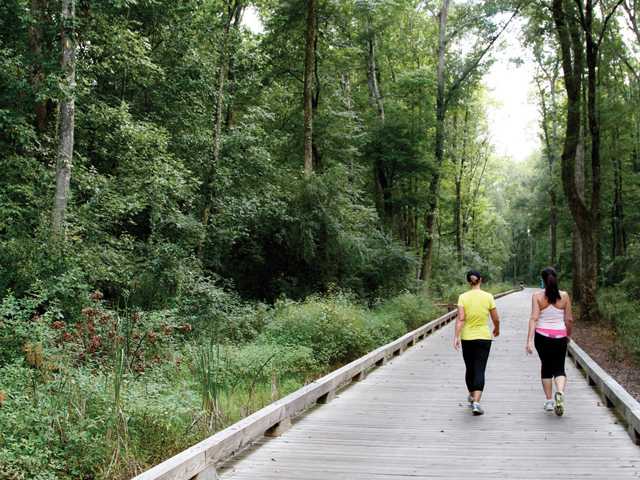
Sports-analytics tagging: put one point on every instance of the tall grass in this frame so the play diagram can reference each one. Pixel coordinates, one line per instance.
(208, 373)
(119, 433)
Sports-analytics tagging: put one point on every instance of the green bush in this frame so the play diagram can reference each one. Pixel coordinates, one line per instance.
(385, 328)
(413, 310)
(259, 363)
(334, 329)
(219, 314)
(621, 311)
(22, 325)
(49, 428)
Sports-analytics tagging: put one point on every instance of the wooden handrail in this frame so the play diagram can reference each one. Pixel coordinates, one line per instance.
(612, 393)
(198, 462)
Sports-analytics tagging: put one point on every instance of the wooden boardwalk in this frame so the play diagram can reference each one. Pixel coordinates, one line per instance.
(409, 420)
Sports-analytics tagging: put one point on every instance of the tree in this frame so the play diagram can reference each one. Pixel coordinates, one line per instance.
(547, 91)
(309, 71)
(233, 14)
(67, 118)
(573, 23)
(444, 98)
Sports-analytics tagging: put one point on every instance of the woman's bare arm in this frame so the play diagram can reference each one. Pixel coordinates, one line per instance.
(568, 315)
(495, 318)
(535, 313)
(459, 325)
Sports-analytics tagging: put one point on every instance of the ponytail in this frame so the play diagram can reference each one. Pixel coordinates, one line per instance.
(551, 290)
(473, 277)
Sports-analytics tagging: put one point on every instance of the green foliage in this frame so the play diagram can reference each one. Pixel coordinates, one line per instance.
(22, 325)
(152, 385)
(452, 292)
(412, 310)
(319, 236)
(621, 311)
(218, 314)
(141, 332)
(336, 331)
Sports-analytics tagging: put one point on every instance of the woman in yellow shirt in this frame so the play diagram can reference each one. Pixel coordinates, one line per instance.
(473, 334)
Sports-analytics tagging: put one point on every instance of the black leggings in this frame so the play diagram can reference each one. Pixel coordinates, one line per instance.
(475, 354)
(552, 352)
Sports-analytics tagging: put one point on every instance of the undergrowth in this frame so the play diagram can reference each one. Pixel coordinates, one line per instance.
(114, 391)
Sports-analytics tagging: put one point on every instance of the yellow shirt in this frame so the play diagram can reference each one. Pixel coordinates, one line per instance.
(476, 304)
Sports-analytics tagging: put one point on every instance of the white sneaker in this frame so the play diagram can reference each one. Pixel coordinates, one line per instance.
(476, 409)
(548, 405)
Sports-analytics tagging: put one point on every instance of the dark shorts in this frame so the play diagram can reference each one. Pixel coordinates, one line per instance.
(475, 354)
(552, 352)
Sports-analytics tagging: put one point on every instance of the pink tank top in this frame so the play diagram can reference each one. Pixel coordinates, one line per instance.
(551, 322)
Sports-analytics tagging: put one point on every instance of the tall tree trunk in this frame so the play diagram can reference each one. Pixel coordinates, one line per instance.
(229, 117)
(587, 217)
(381, 182)
(233, 14)
(572, 53)
(457, 211)
(309, 70)
(317, 157)
(577, 254)
(67, 119)
(372, 74)
(36, 38)
(434, 184)
(591, 237)
(617, 209)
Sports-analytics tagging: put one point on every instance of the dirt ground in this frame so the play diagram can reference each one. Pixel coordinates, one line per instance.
(601, 343)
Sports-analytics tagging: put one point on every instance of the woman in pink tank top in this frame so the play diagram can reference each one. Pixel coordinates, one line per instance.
(549, 331)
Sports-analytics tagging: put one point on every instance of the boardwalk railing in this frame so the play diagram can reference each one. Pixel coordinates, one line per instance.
(612, 393)
(198, 462)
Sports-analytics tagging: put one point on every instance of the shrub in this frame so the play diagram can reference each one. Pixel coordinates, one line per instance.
(622, 312)
(385, 328)
(21, 324)
(219, 314)
(260, 363)
(49, 430)
(414, 310)
(334, 329)
(450, 293)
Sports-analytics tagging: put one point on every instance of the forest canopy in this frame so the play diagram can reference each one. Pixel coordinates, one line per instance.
(266, 190)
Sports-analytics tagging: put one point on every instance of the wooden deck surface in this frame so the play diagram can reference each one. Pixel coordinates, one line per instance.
(409, 420)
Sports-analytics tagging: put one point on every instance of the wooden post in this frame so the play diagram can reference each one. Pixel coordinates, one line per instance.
(359, 377)
(279, 428)
(208, 473)
(327, 397)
